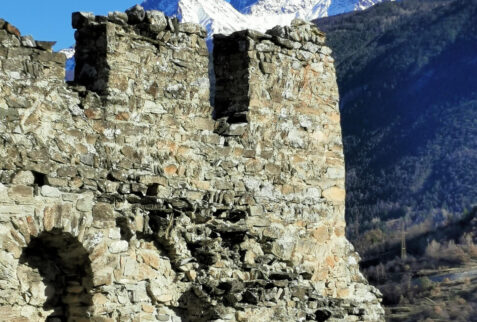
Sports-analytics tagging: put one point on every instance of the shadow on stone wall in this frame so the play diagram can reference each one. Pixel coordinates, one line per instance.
(194, 309)
(91, 66)
(64, 265)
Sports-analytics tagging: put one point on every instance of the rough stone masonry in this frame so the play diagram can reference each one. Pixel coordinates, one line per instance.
(125, 196)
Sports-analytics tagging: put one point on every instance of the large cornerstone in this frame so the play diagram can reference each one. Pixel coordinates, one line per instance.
(130, 195)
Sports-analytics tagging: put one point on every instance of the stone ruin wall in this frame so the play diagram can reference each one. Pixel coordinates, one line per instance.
(125, 196)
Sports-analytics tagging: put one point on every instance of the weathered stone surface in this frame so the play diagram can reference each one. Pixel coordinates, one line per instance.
(48, 191)
(12, 29)
(133, 198)
(335, 194)
(24, 178)
(20, 192)
(118, 17)
(118, 246)
(28, 41)
(102, 211)
(157, 19)
(45, 45)
(79, 19)
(136, 14)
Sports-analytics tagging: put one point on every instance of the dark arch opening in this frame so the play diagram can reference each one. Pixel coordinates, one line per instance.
(65, 268)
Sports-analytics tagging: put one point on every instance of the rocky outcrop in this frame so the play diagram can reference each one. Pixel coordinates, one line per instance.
(125, 195)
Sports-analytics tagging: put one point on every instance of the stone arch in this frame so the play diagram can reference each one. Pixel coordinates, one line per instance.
(57, 271)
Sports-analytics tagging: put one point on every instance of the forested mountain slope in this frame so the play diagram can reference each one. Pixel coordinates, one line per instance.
(407, 73)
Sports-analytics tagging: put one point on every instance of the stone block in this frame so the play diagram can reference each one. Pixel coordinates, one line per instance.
(9, 313)
(321, 234)
(24, 178)
(157, 19)
(56, 215)
(103, 276)
(20, 192)
(80, 19)
(56, 182)
(118, 17)
(85, 203)
(151, 258)
(119, 246)
(12, 29)
(103, 212)
(334, 194)
(136, 14)
(161, 290)
(45, 45)
(28, 41)
(51, 192)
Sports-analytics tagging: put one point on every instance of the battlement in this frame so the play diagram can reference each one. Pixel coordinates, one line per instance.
(36, 56)
(247, 61)
(155, 205)
(138, 47)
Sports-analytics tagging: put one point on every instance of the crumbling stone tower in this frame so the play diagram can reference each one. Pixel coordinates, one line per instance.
(125, 196)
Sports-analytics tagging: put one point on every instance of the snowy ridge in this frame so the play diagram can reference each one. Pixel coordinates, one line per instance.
(217, 16)
(226, 16)
(69, 52)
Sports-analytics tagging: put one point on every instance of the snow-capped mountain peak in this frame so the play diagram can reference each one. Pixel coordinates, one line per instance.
(306, 9)
(226, 16)
(215, 16)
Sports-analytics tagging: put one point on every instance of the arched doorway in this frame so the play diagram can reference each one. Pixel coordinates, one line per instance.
(61, 270)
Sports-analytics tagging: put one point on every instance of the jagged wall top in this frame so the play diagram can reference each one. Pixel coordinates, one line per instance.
(97, 42)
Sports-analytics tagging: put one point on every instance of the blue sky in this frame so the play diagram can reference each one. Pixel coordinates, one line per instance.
(51, 19)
